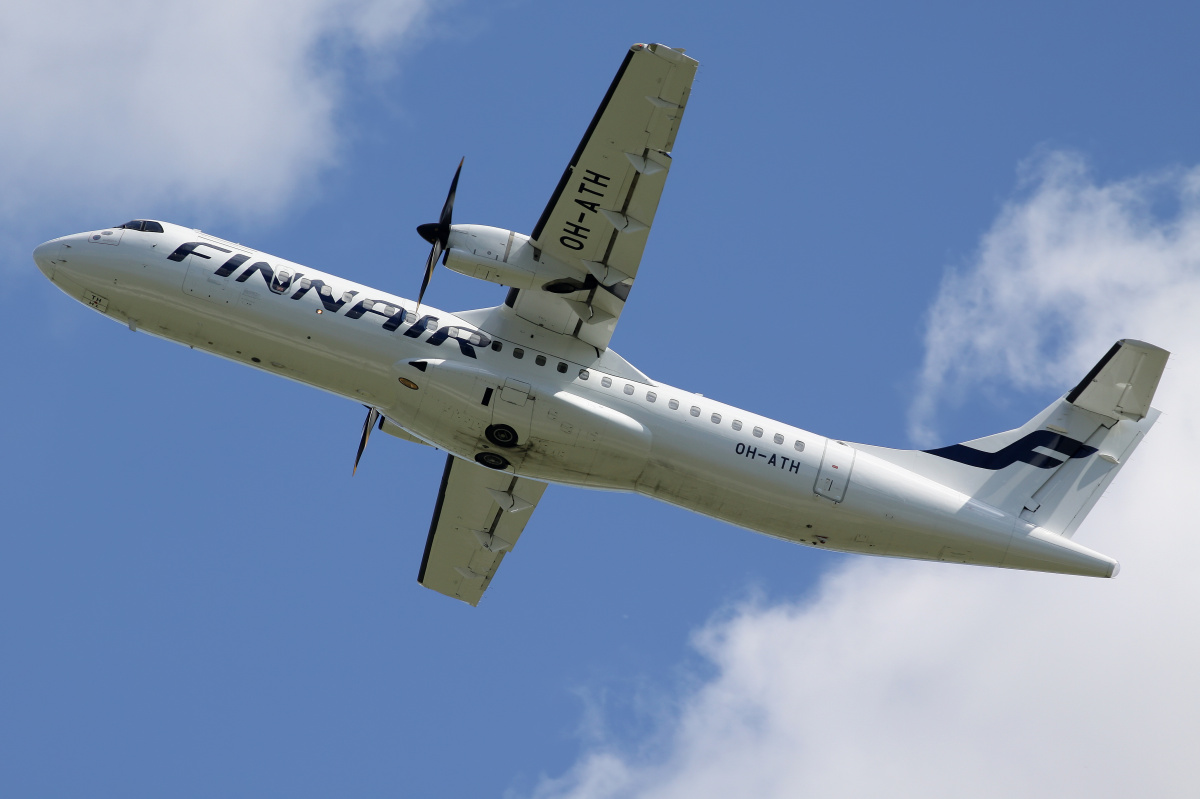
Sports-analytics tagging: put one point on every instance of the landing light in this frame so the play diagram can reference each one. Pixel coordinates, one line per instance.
(404, 381)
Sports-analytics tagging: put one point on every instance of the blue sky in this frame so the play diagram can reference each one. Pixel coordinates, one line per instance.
(197, 599)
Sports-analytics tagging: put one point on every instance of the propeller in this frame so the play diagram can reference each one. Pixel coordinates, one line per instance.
(438, 234)
(372, 417)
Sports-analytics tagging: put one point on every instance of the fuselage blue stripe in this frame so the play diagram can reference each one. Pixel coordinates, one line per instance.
(1022, 450)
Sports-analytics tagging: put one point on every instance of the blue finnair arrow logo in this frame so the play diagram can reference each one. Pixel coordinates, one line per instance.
(1022, 450)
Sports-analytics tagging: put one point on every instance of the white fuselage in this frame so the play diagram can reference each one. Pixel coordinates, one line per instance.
(582, 420)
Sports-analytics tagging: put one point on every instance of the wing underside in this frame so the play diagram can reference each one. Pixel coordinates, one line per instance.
(600, 215)
(479, 516)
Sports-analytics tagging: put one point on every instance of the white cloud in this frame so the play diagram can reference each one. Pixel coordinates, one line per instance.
(929, 680)
(1064, 272)
(219, 104)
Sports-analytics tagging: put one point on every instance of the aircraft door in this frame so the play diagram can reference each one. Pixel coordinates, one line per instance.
(201, 281)
(834, 475)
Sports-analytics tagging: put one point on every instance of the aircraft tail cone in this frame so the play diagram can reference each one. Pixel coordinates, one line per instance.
(1038, 549)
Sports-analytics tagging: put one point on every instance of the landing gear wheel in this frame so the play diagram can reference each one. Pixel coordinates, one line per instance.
(492, 460)
(501, 435)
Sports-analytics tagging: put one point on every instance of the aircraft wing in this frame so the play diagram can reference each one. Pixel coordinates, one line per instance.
(480, 513)
(599, 216)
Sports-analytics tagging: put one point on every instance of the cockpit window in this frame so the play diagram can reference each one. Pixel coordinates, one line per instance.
(144, 225)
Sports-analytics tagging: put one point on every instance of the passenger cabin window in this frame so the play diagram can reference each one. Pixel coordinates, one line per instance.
(799, 446)
(518, 352)
(737, 424)
(281, 281)
(497, 346)
(673, 405)
(606, 382)
(628, 389)
(562, 367)
(651, 396)
(540, 360)
(695, 411)
(716, 418)
(584, 374)
(758, 432)
(779, 438)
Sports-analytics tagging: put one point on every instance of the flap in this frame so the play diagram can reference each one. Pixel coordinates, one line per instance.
(479, 516)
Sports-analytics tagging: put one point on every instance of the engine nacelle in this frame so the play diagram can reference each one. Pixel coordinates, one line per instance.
(507, 258)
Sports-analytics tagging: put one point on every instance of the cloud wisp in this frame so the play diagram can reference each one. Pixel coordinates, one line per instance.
(227, 104)
(933, 680)
(1067, 269)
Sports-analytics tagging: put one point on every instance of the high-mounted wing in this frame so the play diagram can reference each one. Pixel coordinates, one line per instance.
(599, 216)
(480, 513)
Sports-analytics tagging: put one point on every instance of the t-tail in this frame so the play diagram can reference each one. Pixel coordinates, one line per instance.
(1051, 471)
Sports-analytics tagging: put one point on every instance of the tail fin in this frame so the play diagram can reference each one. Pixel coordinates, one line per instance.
(1051, 471)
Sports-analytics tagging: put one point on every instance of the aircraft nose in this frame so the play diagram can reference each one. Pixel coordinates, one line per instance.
(43, 256)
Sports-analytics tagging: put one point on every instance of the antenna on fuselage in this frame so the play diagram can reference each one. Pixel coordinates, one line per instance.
(438, 234)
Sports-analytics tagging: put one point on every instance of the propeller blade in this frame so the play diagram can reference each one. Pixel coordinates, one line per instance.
(372, 416)
(430, 263)
(438, 234)
(448, 208)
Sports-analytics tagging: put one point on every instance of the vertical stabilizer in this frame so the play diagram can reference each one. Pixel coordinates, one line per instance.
(1052, 470)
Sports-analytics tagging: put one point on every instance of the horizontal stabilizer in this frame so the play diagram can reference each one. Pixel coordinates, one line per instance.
(1122, 384)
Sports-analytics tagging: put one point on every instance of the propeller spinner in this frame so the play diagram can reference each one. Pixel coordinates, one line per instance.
(438, 234)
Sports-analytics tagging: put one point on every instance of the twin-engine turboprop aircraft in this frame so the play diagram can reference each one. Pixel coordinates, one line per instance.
(529, 393)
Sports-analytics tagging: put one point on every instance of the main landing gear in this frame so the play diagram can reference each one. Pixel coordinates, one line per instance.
(501, 435)
(492, 460)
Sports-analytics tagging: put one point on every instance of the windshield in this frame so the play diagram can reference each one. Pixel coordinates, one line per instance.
(145, 225)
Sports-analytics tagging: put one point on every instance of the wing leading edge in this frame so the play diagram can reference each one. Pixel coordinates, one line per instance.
(479, 516)
(600, 215)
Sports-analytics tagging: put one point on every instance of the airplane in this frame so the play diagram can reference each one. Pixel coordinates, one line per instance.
(529, 392)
